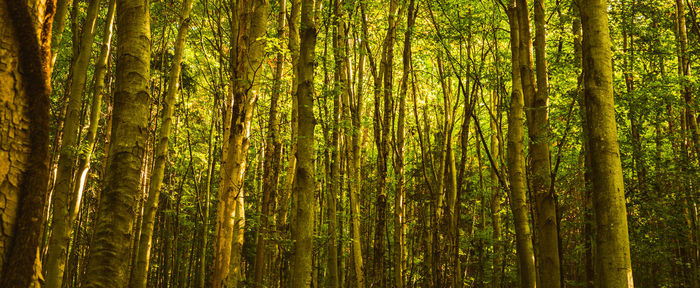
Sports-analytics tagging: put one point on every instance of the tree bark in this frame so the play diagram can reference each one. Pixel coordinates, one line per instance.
(272, 157)
(612, 241)
(140, 269)
(63, 199)
(516, 161)
(546, 229)
(400, 193)
(109, 251)
(25, 30)
(246, 59)
(302, 233)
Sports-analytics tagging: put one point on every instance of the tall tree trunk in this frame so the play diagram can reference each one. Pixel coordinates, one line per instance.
(24, 137)
(400, 194)
(516, 161)
(546, 230)
(495, 187)
(338, 93)
(201, 274)
(63, 199)
(354, 110)
(588, 228)
(302, 233)
(140, 269)
(383, 144)
(272, 157)
(246, 60)
(283, 202)
(612, 241)
(684, 70)
(688, 122)
(109, 251)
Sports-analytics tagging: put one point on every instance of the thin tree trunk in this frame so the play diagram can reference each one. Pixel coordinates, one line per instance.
(246, 60)
(354, 110)
(338, 93)
(63, 199)
(516, 161)
(302, 234)
(140, 269)
(588, 228)
(684, 70)
(400, 194)
(272, 158)
(382, 139)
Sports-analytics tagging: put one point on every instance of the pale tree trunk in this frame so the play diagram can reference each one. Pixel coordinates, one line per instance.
(58, 26)
(612, 239)
(354, 111)
(283, 202)
(25, 30)
(272, 158)
(62, 221)
(109, 250)
(140, 269)
(382, 138)
(516, 161)
(95, 107)
(302, 233)
(248, 26)
(400, 194)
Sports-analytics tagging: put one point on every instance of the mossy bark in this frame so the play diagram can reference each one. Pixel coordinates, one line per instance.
(302, 233)
(516, 162)
(612, 239)
(109, 252)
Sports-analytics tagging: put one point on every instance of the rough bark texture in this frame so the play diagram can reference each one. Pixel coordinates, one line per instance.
(612, 241)
(139, 276)
(109, 250)
(302, 233)
(25, 35)
(516, 164)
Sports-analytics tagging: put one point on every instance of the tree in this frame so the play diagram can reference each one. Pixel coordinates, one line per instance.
(516, 160)
(140, 270)
(109, 251)
(302, 232)
(24, 97)
(64, 201)
(612, 241)
(246, 59)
